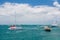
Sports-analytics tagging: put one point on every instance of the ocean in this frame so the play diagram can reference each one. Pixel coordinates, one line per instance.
(30, 32)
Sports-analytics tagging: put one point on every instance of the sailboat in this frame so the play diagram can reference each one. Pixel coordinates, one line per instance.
(14, 27)
(54, 25)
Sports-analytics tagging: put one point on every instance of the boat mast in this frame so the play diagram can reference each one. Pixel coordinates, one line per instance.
(15, 18)
(55, 20)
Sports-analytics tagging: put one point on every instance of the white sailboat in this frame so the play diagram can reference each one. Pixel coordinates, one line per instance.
(14, 27)
(54, 24)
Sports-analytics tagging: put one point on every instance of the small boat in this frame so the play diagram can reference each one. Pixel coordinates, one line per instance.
(13, 27)
(54, 25)
(46, 28)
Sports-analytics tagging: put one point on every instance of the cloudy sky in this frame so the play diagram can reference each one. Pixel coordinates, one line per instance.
(29, 11)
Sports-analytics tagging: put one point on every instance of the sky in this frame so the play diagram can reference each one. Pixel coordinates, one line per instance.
(29, 11)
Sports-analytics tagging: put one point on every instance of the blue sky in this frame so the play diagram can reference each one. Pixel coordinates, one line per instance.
(31, 2)
(29, 11)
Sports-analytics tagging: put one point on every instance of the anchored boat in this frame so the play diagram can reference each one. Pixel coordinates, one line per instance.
(47, 28)
(14, 27)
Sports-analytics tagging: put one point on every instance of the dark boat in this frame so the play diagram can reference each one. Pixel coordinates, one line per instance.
(47, 29)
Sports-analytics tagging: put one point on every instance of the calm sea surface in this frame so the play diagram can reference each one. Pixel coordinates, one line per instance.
(29, 32)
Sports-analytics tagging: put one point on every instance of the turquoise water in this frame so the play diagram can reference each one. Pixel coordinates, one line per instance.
(29, 33)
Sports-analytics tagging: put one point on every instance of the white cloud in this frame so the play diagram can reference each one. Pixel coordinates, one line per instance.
(26, 14)
(56, 4)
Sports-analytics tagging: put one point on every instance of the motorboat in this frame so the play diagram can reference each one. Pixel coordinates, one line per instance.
(47, 28)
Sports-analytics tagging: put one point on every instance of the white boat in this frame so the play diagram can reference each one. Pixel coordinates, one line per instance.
(54, 24)
(15, 28)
